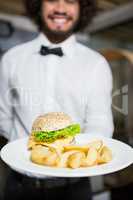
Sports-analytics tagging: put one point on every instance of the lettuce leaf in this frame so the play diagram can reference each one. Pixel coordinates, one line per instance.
(51, 136)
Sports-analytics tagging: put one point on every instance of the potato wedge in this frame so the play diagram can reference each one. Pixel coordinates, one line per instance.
(91, 158)
(62, 161)
(51, 159)
(72, 156)
(105, 155)
(75, 160)
(39, 154)
(97, 144)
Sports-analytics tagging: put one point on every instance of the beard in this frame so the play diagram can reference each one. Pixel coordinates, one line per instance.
(58, 35)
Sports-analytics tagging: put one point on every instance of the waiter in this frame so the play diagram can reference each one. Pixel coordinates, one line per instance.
(54, 73)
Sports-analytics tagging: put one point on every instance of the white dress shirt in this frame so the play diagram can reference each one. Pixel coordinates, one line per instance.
(79, 84)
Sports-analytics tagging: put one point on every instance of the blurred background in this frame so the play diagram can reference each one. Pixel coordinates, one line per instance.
(110, 33)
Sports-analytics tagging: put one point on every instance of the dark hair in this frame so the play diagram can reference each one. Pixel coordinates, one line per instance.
(87, 11)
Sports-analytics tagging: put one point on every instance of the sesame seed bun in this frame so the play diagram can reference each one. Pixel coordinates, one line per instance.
(51, 122)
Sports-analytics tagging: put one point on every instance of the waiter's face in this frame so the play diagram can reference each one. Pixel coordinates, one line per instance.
(60, 16)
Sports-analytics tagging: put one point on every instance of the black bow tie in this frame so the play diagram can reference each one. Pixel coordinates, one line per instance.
(46, 51)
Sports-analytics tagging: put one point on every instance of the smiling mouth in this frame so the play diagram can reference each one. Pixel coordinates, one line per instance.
(60, 20)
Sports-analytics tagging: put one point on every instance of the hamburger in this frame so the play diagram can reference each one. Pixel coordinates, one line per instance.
(53, 128)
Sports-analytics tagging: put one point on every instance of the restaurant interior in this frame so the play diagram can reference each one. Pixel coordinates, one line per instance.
(110, 33)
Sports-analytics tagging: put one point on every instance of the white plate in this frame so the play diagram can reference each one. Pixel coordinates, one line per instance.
(16, 155)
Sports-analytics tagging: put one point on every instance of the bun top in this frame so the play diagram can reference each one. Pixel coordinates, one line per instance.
(51, 122)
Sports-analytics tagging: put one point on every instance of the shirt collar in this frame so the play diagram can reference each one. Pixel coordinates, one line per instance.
(67, 45)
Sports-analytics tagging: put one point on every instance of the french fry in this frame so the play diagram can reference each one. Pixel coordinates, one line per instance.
(84, 148)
